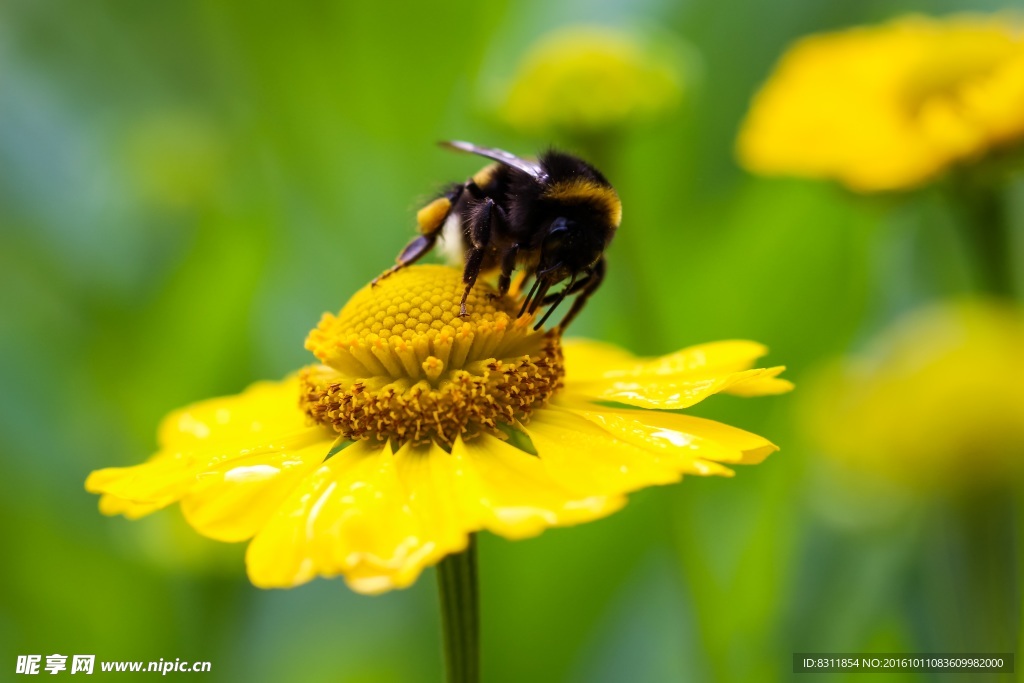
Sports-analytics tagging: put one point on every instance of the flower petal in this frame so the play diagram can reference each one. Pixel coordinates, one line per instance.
(580, 455)
(258, 416)
(232, 500)
(434, 483)
(112, 505)
(513, 494)
(715, 357)
(677, 380)
(351, 516)
(379, 518)
(697, 444)
(766, 383)
(680, 391)
(156, 483)
(586, 359)
(261, 425)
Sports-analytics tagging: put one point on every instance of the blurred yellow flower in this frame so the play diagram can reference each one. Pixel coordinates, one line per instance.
(583, 80)
(433, 406)
(937, 401)
(890, 107)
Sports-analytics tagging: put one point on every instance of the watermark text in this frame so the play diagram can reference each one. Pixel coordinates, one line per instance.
(87, 664)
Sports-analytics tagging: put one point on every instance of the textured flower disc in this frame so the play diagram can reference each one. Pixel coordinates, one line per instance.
(400, 364)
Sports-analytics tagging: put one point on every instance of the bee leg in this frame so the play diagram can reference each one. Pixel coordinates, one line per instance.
(480, 237)
(558, 299)
(529, 296)
(508, 264)
(592, 282)
(430, 222)
(412, 253)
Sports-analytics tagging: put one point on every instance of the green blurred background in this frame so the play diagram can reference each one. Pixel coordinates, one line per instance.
(186, 186)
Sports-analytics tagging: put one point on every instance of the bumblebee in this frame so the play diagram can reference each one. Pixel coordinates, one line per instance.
(553, 218)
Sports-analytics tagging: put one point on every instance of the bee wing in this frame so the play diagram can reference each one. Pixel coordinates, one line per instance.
(531, 168)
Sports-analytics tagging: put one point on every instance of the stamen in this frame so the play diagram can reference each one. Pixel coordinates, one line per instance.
(399, 364)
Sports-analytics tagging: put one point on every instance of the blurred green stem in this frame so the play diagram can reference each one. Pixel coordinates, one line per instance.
(1019, 506)
(994, 525)
(989, 542)
(968, 576)
(460, 614)
(987, 228)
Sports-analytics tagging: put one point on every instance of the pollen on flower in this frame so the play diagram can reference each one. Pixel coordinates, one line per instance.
(399, 364)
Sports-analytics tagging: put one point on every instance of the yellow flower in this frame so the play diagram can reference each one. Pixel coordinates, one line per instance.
(890, 107)
(937, 401)
(381, 460)
(587, 79)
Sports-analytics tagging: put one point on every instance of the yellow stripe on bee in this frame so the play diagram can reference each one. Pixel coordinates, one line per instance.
(431, 216)
(583, 190)
(484, 175)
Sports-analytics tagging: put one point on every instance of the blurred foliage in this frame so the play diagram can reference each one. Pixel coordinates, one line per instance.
(186, 186)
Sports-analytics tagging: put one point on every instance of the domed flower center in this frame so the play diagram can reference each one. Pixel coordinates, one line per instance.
(399, 364)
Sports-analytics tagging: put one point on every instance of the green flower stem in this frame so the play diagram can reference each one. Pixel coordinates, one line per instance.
(1019, 504)
(988, 232)
(988, 542)
(994, 525)
(460, 614)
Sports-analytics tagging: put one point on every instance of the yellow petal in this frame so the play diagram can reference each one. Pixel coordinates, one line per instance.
(350, 516)
(680, 391)
(156, 483)
(209, 437)
(256, 417)
(512, 493)
(583, 357)
(586, 359)
(717, 357)
(697, 444)
(232, 500)
(673, 381)
(764, 384)
(433, 482)
(580, 455)
(379, 519)
(112, 505)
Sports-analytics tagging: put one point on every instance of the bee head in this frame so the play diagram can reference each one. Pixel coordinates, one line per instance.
(578, 213)
(569, 248)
